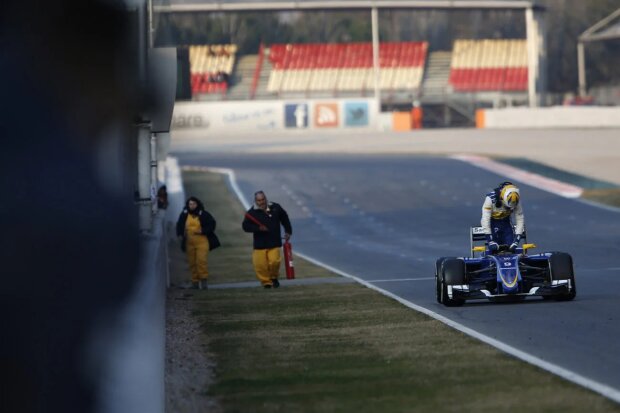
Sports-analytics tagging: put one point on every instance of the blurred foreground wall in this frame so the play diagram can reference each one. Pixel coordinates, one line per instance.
(73, 90)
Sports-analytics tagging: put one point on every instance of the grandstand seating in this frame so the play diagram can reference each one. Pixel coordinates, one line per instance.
(345, 66)
(210, 67)
(489, 65)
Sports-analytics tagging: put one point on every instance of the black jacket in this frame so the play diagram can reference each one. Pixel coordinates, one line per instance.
(207, 224)
(272, 219)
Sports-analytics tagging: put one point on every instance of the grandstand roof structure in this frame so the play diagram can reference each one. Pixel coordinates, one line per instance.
(180, 6)
(606, 29)
(608, 33)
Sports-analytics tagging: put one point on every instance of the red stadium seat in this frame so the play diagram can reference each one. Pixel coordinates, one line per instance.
(487, 65)
(341, 57)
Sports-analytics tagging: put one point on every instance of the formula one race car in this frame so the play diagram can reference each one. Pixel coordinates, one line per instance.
(503, 275)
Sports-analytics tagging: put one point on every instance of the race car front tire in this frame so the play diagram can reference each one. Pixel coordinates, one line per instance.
(452, 273)
(561, 268)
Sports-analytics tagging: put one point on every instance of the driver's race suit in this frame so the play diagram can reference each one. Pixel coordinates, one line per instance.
(496, 219)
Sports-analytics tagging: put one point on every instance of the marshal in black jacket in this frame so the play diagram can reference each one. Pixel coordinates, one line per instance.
(272, 219)
(207, 225)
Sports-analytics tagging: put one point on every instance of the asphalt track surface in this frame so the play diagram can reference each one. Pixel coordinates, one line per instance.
(386, 219)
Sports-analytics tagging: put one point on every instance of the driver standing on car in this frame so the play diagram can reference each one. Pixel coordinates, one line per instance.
(497, 209)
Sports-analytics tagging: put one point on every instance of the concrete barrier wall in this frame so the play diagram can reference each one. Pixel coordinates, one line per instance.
(385, 121)
(133, 347)
(552, 117)
(267, 116)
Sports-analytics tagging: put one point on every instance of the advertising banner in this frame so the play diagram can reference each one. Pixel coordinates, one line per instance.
(326, 115)
(275, 115)
(228, 116)
(296, 115)
(356, 114)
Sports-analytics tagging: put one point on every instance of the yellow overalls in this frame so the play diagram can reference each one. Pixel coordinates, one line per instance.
(267, 264)
(197, 249)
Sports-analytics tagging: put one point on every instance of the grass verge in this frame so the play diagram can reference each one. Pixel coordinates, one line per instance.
(609, 197)
(343, 348)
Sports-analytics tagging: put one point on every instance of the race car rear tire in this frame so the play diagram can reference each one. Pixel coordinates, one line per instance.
(561, 268)
(452, 273)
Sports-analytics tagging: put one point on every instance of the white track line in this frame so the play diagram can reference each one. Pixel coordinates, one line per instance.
(599, 269)
(390, 280)
(593, 385)
(538, 181)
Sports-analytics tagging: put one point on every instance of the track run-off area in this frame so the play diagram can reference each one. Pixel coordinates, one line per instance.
(383, 214)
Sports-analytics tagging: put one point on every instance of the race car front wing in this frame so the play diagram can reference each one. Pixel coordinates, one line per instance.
(465, 292)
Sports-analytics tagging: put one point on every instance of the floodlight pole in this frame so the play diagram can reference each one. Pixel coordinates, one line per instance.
(374, 17)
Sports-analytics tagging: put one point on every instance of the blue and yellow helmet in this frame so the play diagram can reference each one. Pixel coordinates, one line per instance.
(510, 196)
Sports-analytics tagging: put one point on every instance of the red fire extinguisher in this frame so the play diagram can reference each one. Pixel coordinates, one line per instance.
(288, 260)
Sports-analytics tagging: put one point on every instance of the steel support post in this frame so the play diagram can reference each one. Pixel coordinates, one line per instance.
(154, 176)
(532, 56)
(145, 213)
(581, 67)
(374, 14)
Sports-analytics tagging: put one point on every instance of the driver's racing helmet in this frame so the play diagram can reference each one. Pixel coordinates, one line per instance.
(510, 196)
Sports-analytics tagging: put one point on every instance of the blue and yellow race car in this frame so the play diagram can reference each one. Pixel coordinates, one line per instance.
(503, 275)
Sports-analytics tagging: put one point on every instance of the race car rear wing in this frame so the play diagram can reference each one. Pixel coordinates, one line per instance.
(478, 238)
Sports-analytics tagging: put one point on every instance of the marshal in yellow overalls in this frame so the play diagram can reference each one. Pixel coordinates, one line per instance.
(197, 249)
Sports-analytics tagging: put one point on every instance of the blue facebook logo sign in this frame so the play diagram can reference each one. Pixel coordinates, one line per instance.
(296, 115)
(356, 114)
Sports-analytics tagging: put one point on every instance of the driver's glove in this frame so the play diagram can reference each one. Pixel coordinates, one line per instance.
(515, 244)
(493, 246)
